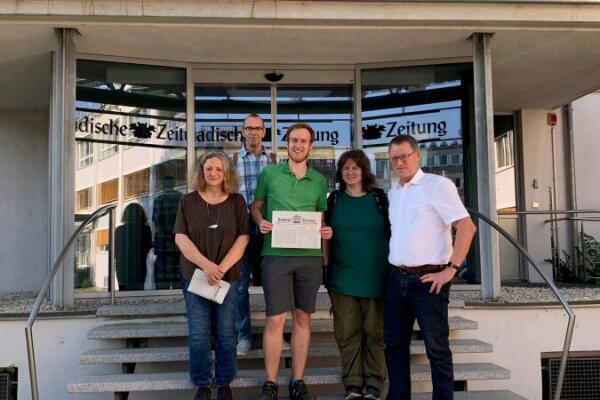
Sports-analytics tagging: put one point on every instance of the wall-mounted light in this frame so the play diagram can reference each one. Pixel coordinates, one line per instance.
(274, 76)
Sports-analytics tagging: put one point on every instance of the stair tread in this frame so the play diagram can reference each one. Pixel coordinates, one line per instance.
(180, 353)
(257, 304)
(476, 395)
(470, 395)
(255, 377)
(179, 328)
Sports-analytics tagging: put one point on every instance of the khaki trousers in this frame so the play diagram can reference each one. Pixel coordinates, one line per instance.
(358, 330)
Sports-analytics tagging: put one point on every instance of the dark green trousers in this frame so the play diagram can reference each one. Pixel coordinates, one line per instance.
(358, 330)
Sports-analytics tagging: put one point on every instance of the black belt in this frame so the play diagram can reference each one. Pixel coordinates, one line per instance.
(427, 268)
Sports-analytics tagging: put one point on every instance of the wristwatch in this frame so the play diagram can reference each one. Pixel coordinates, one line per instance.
(453, 266)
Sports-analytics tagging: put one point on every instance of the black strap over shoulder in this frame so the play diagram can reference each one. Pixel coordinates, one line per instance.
(380, 199)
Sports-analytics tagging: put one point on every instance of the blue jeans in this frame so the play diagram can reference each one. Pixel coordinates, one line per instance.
(242, 323)
(202, 315)
(406, 299)
(250, 258)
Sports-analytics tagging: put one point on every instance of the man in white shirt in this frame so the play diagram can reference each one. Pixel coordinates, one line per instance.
(423, 209)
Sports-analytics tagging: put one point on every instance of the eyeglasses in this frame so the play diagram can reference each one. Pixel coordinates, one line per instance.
(253, 129)
(404, 158)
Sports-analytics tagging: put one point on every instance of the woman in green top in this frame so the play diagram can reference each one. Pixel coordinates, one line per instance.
(357, 268)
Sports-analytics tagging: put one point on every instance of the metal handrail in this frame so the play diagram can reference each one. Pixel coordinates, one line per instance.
(555, 290)
(38, 301)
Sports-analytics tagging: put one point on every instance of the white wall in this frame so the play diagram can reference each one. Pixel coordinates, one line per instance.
(537, 164)
(586, 132)
(23, 199)
(520, 336)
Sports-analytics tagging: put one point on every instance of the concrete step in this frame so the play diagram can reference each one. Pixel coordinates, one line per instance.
(476, 395)
(180, 353)
(179, 328)
(257, 304)
(255, 378)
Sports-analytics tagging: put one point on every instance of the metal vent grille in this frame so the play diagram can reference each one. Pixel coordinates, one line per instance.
(4, 385)
(582, 378)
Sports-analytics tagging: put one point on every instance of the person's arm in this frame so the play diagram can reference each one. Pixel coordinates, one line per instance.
(235, 253)
(326, 231)
(193, 255)
(256, 210)
(465, 230)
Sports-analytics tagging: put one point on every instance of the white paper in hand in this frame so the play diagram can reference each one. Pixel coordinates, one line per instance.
(199, 285)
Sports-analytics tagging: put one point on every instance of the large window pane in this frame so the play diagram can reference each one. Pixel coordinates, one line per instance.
(424, 102)
(131, 136)
(328, 109)
(220, 112)
(430, 103)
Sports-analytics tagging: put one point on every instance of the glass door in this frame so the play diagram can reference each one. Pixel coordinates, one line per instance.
(320, 97)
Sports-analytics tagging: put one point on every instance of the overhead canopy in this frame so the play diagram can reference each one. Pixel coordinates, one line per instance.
(544, 55)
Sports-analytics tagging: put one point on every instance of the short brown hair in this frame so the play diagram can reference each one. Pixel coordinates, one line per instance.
(300, 125)
(405, 139)
(361, 159)
(231, 180)
(253, 115)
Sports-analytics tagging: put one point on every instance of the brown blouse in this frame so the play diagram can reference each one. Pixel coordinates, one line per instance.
(229, 219)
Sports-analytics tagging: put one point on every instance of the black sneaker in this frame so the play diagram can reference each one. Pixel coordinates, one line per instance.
(353, 393)
(203, 393)
(298, 391)
(372, 393)
(269, 391)
(224, 393)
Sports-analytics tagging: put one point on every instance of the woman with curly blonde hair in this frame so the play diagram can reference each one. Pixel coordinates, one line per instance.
(211, 230)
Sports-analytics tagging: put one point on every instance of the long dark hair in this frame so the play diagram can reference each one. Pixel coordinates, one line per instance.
(361, 159)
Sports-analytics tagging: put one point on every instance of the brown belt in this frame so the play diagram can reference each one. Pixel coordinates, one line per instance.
(427, 268)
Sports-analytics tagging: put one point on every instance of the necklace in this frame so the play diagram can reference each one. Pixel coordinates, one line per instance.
(216, 224)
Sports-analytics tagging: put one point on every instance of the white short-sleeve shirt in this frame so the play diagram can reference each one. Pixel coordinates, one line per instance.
(421, 214)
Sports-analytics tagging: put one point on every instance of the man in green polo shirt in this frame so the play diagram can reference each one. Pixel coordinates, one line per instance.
(290, 277)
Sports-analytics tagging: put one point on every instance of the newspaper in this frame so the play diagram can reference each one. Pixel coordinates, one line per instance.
(199, 285)
(296, 229)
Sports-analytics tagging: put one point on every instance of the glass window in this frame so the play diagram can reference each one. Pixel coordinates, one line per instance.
(84, 199)
(504, 151)
(107, 192)
(140, 109)
(328, 109)
(220, 112)
(137, 184)
(443, 159)
(426, 102)
(85, 154)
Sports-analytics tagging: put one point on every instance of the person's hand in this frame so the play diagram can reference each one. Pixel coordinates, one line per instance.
(439, 279)
(326, 232)
(213, 273)
(265, 226)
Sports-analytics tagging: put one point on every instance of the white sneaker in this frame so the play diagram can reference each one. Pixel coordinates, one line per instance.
(243, 347)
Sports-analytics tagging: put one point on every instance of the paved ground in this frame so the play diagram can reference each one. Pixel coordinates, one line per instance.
(21, 303)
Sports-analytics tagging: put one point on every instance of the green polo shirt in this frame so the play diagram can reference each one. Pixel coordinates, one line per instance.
(281, 191)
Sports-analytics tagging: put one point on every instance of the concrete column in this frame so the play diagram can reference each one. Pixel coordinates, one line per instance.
(486, 182)
(62, 163)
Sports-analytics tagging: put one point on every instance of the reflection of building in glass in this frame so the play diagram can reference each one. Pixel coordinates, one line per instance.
(382, 170)
(322, 159)
(445, 158)
(130, 141)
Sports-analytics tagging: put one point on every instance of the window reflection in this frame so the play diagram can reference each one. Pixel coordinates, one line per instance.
(328, 109)
(424, 102)
(220, 112)
(131, 137)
